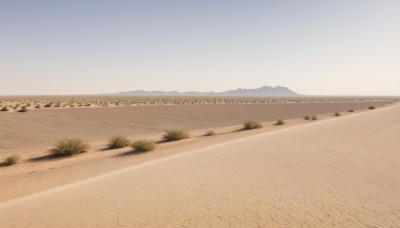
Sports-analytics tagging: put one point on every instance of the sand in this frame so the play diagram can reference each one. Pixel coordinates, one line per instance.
(339, 172)
(24, 132)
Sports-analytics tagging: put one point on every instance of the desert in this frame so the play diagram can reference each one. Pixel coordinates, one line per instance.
(203, 114)
(335, 171)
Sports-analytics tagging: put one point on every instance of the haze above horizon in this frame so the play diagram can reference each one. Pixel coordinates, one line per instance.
(92, 47)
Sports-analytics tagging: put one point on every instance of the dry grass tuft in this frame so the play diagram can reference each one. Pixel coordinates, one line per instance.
(336, 114)
(306, 118)
(210, 133)
(173, 135)
(314, 118)
(371, 107)
(251, 124)
(118, 142)
(69, 147)
(280, 122)
(12, 160)
(143, 145)
(23, 109)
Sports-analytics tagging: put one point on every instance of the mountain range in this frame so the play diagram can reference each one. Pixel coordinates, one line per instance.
(265, 91)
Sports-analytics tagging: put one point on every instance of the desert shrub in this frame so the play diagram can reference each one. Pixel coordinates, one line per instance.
(23, 109)
(371, 107)
(351, 110)
(5, 109)
(251, 124)
(118, 142)
(143, 145)
(210, 133)
(172, 135)
(306, 118)
(280, 122)
(38, 106)
(314, 118)
(69, 147)
(336, 114)
(48, 105)
(12, 160)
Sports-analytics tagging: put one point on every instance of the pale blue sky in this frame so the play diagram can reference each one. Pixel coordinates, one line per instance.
(341, 47)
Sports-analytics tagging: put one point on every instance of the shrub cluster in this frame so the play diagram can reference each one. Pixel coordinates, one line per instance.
(251, 124)
(143, 145)
(118, 142)
(173, 135)
(12, 160)
(69, 147)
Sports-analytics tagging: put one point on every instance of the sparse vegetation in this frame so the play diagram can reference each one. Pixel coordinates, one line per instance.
(280, 122)
(210, 133)
(351, 110)
(251, 124)
(172, 135)
(371, 107)
(69, 147)
(306, 118)
(314, 118)
(12, 160)
(336, 114)
(143, 145)
(118, 142)
(23, 109)
(5, 109)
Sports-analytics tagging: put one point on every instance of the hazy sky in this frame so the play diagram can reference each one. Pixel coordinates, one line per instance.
(341, 47)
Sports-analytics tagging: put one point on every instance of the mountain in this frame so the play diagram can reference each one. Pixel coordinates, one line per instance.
(265, 91)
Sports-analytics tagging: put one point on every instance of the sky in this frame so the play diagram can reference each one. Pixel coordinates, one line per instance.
(341, 47)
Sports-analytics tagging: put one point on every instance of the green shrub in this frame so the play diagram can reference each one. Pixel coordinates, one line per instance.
(118, 142)
(280, 122)
(210, 133)
(251, 124)
(143, 145)
(12, 160)
(172, 135)
(69, 147)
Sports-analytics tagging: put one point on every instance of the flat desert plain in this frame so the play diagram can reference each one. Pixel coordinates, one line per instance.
(337, 171)
(21, 132)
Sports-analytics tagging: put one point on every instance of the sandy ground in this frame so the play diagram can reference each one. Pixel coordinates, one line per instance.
(23, 132)
(340, 172)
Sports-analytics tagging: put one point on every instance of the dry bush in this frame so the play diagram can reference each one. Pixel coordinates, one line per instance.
(314, 118)
(172, 135)
(306, 118)
(251, 124)
(69, 147)
(143, 145)
(336, 114)
(23, 109)
(280, 122)
(12, 160)
(118, 142)
(351, 110)
(371, 107)
(210, 133)
(5, 109)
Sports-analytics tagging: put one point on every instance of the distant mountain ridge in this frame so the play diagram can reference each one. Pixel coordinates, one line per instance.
(265, 91)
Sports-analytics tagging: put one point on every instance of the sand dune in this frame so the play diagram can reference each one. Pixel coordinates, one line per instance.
(341, 172)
